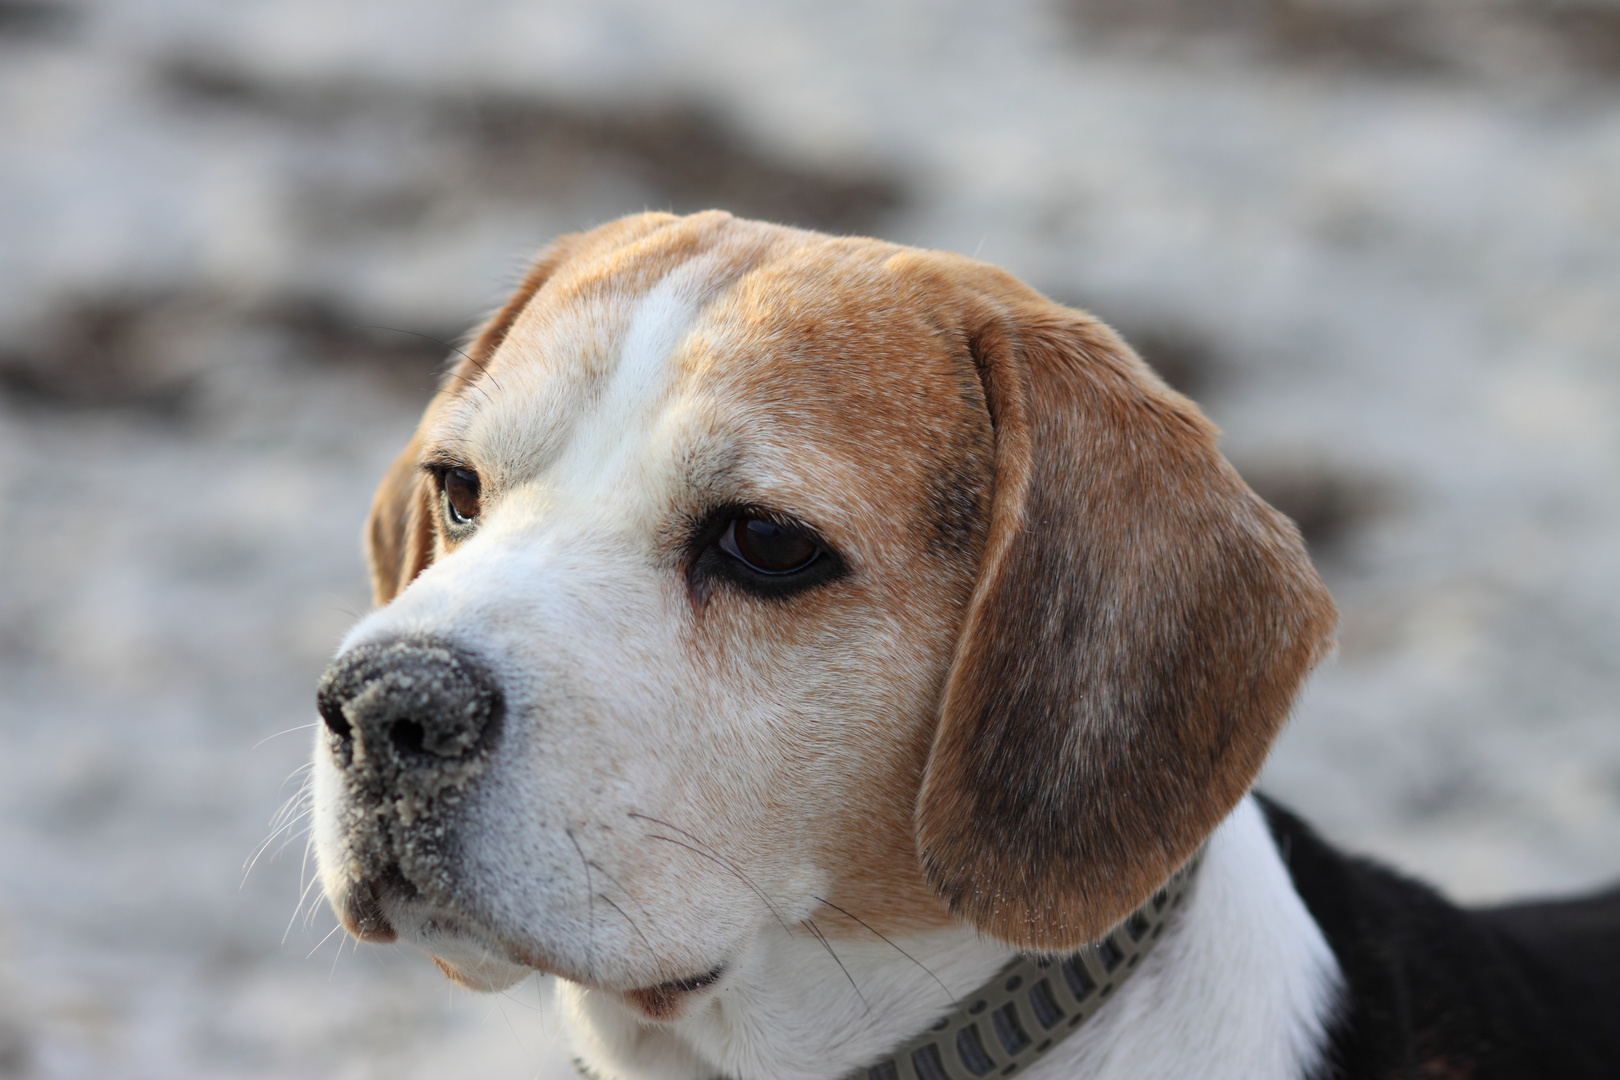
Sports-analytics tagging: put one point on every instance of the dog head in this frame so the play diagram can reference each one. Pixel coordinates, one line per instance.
(740, 572)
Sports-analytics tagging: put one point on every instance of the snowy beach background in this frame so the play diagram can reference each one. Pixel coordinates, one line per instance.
(1379, 241)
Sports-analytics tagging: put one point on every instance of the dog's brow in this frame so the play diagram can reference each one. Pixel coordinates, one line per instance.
(442, 456)
(711, 468)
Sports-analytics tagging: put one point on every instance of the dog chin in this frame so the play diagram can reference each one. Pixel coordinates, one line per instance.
(469, 956)
(469, 953)
(484, 973)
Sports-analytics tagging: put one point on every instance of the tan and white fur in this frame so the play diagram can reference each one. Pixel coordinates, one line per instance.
(1062, 638)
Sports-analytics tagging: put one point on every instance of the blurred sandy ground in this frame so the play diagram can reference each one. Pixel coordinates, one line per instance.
(1380, 243)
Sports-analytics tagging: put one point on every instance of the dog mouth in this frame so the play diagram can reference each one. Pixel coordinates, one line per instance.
(668, 1000)
(389, 907)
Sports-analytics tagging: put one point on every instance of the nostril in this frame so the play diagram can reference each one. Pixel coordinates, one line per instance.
(407, 735)
(409, 705)
(336, 722)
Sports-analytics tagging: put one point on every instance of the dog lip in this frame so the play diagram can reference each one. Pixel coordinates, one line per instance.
(448, 930)
(666, 1000)
(362, 915)
(388, 907)
(692, 982)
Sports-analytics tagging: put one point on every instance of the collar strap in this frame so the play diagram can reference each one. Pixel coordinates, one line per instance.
(1034, 1003)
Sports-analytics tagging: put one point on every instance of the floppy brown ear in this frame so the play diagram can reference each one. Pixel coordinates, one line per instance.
(399, 530)
(1138, 631)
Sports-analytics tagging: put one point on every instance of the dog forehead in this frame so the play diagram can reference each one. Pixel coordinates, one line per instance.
(843, 343)
(808, 356)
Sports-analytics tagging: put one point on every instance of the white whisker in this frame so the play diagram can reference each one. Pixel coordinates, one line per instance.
(279, 734)
(324, 940)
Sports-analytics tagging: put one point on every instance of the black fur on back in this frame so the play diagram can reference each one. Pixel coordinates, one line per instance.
(1439, 992)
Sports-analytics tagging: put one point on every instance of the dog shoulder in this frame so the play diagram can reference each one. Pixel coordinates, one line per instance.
(1437, 990)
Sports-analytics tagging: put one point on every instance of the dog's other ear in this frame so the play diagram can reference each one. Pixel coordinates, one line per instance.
(399, 530)
(1140, 625)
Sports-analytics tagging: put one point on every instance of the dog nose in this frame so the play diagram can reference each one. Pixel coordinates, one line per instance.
(410, 704)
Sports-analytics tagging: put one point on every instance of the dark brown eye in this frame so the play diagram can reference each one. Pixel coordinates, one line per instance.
(768, 547)
(461, 490)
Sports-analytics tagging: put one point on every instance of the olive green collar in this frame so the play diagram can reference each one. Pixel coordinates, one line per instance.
(1034, 1003)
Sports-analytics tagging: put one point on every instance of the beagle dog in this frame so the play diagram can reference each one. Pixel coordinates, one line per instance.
(830, 658)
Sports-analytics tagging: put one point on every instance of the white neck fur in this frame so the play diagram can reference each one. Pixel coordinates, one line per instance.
(1242, 987)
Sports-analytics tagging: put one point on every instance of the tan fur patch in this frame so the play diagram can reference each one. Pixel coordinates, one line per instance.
(828, 349)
